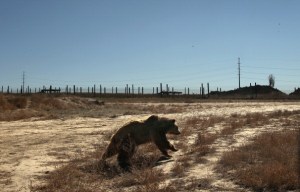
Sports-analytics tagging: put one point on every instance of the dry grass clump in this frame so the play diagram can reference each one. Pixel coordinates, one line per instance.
(202, 145)
(231, 126)
(269, 163)
(236, 121)
(146, 156)
(212, 121)
(201, 123)
(12, 102)
(47, 102)
(86, 174)
(178, 169)
(163, 108)
(148, 180)
(192, 184)
(256, 119)
(19, 114)
(197, 128)
(283, 113)
(67, 178)
(14, 107)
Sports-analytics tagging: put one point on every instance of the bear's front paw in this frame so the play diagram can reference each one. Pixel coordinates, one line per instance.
(173, 148)
(166, 154)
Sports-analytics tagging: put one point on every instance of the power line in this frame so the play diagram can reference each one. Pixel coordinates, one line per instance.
(277, 68)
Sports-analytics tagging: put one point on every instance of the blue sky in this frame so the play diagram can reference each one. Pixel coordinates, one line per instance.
(180, 43)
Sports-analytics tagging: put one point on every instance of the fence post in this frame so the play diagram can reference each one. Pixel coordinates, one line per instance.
(94, 90)
(7, 89)
(142, 90)
(2, 89)
(116, 90)
(160, 87)
(207, 89)
(100, 89)
(188, 91)
(255, 90)
(202, 90)
(132, 89)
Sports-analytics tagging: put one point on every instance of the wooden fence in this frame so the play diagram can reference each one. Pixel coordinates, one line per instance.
(128, 90)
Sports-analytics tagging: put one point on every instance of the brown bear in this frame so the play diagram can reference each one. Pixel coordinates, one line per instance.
(128, 137)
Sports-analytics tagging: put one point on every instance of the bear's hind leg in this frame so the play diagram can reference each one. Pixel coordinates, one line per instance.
(126, 152)
(110, 151)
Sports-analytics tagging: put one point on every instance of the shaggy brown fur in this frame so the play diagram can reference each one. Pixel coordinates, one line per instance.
(128, 137)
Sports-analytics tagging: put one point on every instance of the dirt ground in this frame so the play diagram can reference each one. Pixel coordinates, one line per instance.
(33, 147)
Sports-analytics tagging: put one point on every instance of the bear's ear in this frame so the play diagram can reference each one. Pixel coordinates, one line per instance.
(173, 121)
(152, 118)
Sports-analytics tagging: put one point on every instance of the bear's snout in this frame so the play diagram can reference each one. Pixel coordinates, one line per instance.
(175, 132)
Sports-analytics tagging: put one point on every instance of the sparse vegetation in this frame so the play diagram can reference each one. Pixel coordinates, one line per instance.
(86, 174)
(270, 162)
(204, 137)
(12, 102)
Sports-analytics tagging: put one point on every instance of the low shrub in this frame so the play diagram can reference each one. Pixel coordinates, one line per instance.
(269, 163)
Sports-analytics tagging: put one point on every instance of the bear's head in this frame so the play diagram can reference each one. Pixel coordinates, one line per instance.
(168, 125)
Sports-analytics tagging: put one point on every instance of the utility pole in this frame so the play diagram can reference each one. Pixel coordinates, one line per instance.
(239, 69)
(23, 86)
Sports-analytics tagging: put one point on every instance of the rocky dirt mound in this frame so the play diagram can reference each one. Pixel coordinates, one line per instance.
(258, 91)
(296, 93)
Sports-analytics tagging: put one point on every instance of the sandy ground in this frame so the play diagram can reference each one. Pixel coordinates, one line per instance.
(32, 148)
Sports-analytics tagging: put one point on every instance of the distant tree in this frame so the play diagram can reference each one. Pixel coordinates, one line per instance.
(271, 80)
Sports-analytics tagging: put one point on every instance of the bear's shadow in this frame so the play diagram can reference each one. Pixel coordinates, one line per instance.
(111, 169)
(163, 160)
